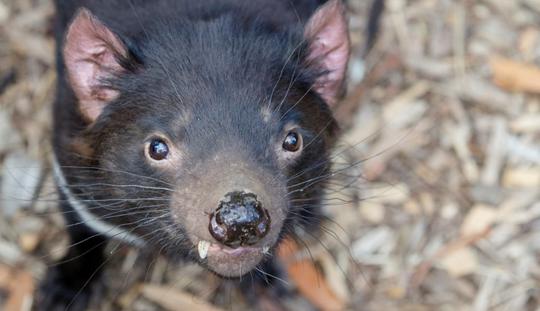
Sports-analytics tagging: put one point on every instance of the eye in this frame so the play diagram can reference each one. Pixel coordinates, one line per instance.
(158, 149)
(292, 142)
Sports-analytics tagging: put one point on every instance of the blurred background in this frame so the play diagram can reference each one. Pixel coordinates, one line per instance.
(437, 206)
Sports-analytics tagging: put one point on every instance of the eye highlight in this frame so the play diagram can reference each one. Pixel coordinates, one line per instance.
(292, 142)
(158, 149)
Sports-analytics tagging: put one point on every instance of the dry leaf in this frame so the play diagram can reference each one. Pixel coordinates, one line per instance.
(336, 277)
(20, 292)
(308, 279)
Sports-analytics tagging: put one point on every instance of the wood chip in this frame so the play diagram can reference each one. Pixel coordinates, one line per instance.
(396, 292)
(29, 241)
(21, 178)
(406, 108)
(496, 153)
(526, 123)
(5, 274)
(522, 177)
(441, 210)
(515, 76)
(527, 42)
(4, 12)
(32, 45)
(460, 263)
(372, 212)
(175, 300)
(479, 219)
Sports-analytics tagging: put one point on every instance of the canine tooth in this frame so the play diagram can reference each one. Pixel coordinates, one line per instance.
(202, 247)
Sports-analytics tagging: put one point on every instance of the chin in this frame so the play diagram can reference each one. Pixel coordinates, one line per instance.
(231, 262)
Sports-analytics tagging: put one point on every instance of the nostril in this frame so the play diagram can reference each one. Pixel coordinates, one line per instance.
(239, 220)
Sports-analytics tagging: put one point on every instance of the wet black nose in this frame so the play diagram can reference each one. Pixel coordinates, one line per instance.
(239, 220)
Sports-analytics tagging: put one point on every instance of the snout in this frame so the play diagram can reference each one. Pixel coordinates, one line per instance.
(240, 220)
(233, 215)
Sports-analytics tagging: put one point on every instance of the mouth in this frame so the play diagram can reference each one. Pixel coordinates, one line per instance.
(230, 262)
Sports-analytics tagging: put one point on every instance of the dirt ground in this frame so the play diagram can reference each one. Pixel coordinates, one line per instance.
(437, 204)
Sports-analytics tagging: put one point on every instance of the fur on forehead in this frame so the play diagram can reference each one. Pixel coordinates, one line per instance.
(220, 60)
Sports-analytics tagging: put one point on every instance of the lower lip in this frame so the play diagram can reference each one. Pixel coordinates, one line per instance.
(233, 252)
(232, 262)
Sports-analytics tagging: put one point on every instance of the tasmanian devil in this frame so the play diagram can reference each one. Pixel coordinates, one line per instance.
(200, 129)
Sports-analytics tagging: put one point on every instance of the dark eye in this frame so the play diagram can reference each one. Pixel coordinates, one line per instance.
(158, 149)
(292, 142)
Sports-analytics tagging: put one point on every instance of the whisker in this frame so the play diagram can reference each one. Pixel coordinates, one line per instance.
(272, 276)
(115, 171)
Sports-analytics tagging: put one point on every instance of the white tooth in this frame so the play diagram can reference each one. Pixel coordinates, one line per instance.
(265, 250)
(202, 247)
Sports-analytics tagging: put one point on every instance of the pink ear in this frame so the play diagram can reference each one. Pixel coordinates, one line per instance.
(327, 32)
(91, 54)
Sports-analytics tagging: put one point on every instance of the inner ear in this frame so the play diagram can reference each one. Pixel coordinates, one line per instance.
(92, 55)
(329, 48)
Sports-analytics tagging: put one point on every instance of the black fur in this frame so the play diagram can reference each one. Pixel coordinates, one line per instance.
(213, 63)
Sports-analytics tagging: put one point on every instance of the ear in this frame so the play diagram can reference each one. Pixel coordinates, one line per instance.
(329, 48)
(91, 54)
